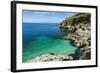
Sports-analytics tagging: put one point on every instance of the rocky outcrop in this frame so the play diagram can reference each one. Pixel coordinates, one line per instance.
(80, 33)
(51, 57)
(70, 23)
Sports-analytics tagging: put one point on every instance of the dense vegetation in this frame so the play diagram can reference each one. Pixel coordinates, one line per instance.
(76, 19)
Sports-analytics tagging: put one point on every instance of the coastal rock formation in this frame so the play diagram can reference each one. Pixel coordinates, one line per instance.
(80, 33)
(51, 57)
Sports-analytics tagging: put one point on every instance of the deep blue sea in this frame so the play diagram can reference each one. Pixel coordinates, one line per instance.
(43, 38)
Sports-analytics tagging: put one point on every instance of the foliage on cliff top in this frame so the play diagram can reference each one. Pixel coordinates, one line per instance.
(76, 19)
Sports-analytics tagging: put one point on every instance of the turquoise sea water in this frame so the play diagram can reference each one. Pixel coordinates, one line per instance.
(43, 38)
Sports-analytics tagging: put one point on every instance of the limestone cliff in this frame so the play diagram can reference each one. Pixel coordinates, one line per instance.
(80, 33)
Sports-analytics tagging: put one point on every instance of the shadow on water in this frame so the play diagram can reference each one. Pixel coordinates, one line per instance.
(76, 55)
(78, 52)
(72, 43)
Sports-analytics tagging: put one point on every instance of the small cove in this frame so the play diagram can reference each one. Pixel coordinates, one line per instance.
(43, 38)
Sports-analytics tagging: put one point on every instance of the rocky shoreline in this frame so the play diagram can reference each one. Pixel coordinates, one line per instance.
(80, 34)
(79, 30)
(51, 57)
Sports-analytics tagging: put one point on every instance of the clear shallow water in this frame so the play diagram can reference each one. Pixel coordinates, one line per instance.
(43, 38)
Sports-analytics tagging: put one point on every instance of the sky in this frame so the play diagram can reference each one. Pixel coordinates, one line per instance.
(31, 16)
